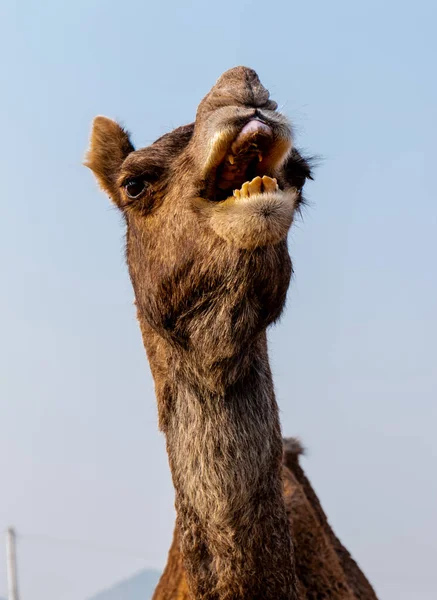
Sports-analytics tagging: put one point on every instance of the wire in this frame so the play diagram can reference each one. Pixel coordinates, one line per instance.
(81, 544)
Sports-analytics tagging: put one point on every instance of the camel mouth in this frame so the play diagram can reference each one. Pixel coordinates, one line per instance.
(248, 160)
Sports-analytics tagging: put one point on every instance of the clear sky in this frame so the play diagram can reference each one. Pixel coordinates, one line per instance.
(354, 357)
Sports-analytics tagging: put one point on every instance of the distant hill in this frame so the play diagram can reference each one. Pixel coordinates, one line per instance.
(138, 587)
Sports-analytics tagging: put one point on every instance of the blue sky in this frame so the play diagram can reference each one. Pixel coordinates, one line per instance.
(354, 357)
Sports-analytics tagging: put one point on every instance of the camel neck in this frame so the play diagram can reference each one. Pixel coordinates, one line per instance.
(225, 451)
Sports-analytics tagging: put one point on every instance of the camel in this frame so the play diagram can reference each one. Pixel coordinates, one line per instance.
(207, 209)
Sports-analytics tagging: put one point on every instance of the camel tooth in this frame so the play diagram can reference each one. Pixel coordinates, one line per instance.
(260, 157)
(270, 185)
(255, 186)
(237, 194)
(231, 159)
(245, 190)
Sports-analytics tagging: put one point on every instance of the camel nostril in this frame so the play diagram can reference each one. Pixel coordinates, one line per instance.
(259, 115)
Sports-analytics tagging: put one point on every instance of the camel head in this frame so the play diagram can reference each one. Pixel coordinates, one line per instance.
(208, 208)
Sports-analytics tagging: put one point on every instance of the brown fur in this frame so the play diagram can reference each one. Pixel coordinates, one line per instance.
(325, 569)
(210, 273)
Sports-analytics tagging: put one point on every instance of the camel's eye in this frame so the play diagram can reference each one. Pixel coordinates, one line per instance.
(135, 187)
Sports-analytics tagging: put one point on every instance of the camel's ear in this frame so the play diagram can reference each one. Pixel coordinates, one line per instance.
(109, 146)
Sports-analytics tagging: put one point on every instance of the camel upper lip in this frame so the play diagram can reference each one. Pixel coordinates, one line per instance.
(254, 130)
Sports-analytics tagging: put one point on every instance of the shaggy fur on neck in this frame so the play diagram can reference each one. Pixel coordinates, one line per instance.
(225, 453)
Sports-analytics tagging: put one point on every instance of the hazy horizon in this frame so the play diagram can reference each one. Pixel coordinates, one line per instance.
(354, 356)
